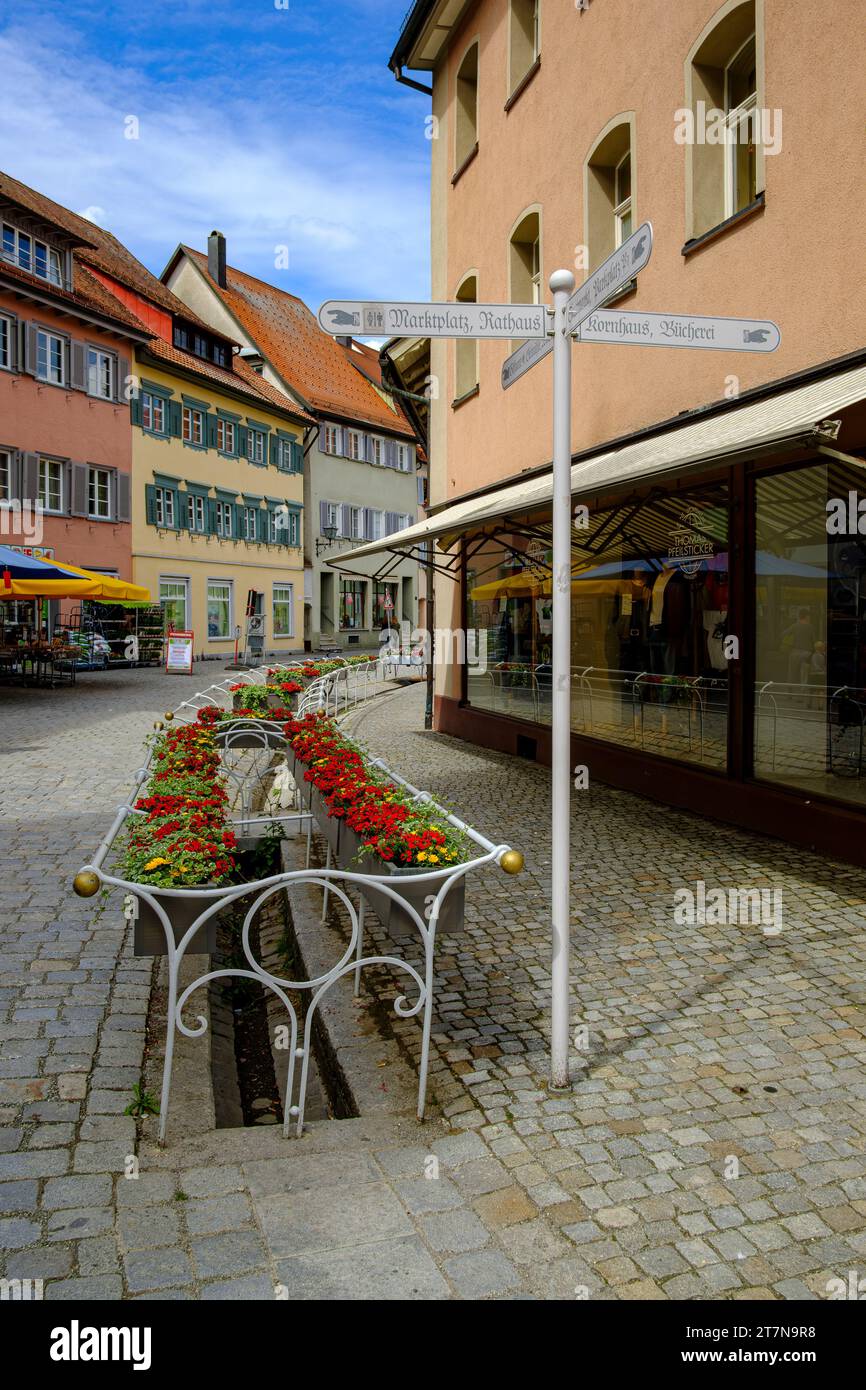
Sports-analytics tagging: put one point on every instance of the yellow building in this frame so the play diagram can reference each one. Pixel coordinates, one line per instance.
(218, 485)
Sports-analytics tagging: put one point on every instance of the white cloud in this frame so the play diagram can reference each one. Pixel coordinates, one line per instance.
(93, 214)
(352, 213)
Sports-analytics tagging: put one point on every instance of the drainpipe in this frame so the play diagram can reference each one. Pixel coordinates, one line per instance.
(410, 81)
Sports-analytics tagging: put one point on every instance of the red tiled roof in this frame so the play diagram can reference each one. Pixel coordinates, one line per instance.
(98, 247)
(308, 360)
(241, 379)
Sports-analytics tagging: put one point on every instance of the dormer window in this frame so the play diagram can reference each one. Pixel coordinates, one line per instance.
(36, 257)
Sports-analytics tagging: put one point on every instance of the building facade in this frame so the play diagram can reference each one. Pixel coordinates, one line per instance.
(359, 450)
(718, 567)
(65, 352)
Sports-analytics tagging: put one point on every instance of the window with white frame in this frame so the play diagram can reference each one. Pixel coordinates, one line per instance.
(174, 600)
(741, 100)
(152, 412)
(99, 493)
(284, 455)
(226, 436)
(354, 445)
(51, 485)
(403, 458)
(219, 608)
(251, 532)
(101, 370)
(193, 425)
(376, 450)
(7, 328)
(284, 610)
(256, 446)
(224, 519)
(356, 523)
(524, 36)
(332, 440)
(622, 200)
(5, 475)
(377, 525)
(29, 253)
(50, 357)
(164, 506)
(333, 516)
(196, 518)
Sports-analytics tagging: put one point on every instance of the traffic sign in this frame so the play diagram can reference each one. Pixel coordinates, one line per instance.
(526, 356)
(680, 330)
(611, 276)
(455, 320)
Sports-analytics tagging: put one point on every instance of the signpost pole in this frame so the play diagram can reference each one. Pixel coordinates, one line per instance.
(562, 284)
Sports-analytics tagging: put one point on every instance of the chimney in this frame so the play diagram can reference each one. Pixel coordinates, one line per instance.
(216, 258)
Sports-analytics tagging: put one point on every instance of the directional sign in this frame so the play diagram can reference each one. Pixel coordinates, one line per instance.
(680, 330)
(614, 274)
(526, 356)
(455, 320)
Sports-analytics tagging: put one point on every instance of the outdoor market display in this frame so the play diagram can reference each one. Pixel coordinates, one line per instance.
(178, 853)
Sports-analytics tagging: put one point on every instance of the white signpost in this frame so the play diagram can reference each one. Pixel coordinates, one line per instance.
(679, 330)
(577, 317)
(612, 275)
(347, 316)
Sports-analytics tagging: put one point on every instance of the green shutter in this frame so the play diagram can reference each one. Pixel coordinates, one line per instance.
(262, 520)
(273, 443)
(135, 409)
(242, 440)
(150, 504)
(297, 457)
(210, 516)
(239, 521)
(211, 431)
(175, 419)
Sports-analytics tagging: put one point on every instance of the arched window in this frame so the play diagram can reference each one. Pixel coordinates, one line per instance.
(525, 259)
(466, 125)
(609, 189)
(466, 349)
(524, 40)
(724, 162)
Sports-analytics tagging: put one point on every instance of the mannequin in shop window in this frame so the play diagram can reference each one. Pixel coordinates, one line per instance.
(631, 622)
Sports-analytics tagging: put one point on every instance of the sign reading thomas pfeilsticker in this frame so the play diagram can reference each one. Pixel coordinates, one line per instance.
(526, 356)
(680, 330)
(456, 320)
(612, 275)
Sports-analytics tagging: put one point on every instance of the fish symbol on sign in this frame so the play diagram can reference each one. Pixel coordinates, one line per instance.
(756, 335)
(341, 319)
(637, 249)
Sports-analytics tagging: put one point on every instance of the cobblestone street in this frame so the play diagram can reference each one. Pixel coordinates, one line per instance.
(712, 1145)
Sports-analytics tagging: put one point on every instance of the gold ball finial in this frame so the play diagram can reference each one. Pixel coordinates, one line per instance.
(512, 862)
(159, 724)
(169, 715)
(86, 883)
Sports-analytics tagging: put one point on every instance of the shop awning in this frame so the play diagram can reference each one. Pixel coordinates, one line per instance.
(789, 416)
(23, 577)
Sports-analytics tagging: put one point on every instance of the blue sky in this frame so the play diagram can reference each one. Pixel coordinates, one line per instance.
(281, 127)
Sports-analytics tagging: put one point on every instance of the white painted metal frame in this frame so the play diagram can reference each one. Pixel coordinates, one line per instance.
(332, 691)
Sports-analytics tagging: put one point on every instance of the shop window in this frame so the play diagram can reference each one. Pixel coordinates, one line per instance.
(219, 609)
(724, 163)
(174, 600)
(384, 604)
(609, 204)
(284, 610)
(352, 603)
(524, 40)
(465, 349)
(810, 616)
(467, 109)
(648, 626)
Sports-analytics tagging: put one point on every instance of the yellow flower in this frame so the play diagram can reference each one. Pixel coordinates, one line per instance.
(434, 858)
(154, 864)
(422, 857)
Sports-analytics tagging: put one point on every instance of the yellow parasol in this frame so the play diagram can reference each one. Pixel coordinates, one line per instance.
(80, 583)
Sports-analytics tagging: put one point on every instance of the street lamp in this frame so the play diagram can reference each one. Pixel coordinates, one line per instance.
(330, 534)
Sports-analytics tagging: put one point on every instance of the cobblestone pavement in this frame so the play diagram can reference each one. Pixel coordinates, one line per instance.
(710, 1050)
(705, 1051)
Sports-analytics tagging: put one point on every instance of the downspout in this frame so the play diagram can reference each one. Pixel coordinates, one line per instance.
(410, 81)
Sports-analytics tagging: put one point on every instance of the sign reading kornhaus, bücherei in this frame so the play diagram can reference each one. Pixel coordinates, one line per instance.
(435, 320)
